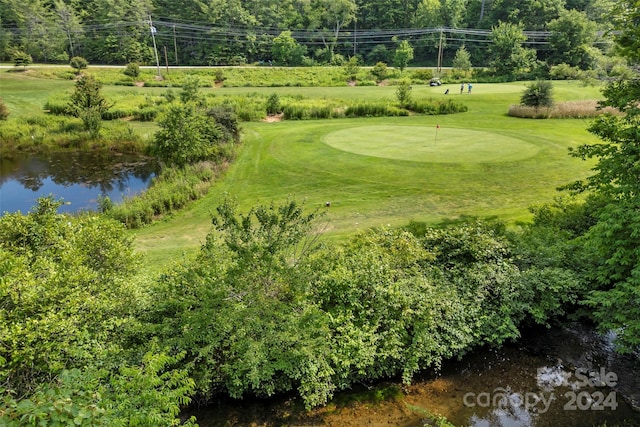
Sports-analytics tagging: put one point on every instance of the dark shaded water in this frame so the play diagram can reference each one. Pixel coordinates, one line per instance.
(565, 377)
(76, 178)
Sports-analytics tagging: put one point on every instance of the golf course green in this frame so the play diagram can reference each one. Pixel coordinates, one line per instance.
(375, 172)
(386, 172)
(428, 144)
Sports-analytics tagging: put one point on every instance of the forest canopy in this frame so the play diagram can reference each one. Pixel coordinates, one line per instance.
(236, 32)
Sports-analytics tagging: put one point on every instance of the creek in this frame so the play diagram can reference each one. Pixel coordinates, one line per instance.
(560, 377)
(78, 178)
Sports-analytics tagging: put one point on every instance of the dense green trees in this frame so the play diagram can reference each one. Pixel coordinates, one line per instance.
(508, 56)
(68, 309)
(234, 32)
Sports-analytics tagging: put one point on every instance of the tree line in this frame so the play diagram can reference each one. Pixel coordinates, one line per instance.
(236, 32)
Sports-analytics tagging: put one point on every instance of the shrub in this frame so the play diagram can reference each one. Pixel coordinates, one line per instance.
(379, 71)
(4, 111)
(403, 93)
(132, 70)
(423, 75)
(564, 72)
(78, 63)
(21, 58)
(538, 94)
(273, 104)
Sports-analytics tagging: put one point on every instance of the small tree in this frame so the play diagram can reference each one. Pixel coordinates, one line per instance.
(4, 111)
(462, 60)
(88, 103)
(21, 58)
(351, 68)
(538, 94)
(403, 93)
(190, 90)
(273, 104)
(403, 55)
(78, 63)
(186, 135)
(380, 71)
(132, 70)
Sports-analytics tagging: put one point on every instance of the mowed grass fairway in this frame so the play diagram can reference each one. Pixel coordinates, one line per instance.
(389, 171)
(374, 171)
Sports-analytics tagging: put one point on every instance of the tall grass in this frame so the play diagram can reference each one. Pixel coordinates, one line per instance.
(171, 190)
(563, 110)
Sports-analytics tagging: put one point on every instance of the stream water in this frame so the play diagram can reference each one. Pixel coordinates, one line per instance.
(560, 377)
(76, 178)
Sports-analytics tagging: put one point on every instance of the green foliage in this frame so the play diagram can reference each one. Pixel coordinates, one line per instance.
(186, 135)
(21, 58)
(462, 60)
(352, 68)
(147, 394)
(508, 57)
(132, 70)
(65, 293)
(273, 104)
(374, 109)
(78, 63)
(403, 55)
(286, 50)
(379, 71)
(572, 34)
(403, 93)
(4, 110)
(564, 72)
(88, 103)
(190, 90)
(170, 191)
(538, 94)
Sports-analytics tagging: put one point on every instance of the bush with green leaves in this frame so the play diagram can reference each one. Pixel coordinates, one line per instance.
(20, 58)
(88, 103)
(78, 63)
(132, 70)
(380, 71)
(186, 135)
(538, 94)
(273, 104)
(403, 93)
(264, 310)
(70, 298)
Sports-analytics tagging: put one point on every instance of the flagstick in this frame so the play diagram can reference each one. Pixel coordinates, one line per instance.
(435, 140)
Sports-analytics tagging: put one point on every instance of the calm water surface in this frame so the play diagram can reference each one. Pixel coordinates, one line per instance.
(76, 178)
(549, 378)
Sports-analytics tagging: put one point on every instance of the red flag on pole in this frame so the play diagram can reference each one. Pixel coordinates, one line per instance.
(437, 126)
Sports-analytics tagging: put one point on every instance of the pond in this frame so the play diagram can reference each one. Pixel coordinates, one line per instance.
(79, 179)
(562, 377)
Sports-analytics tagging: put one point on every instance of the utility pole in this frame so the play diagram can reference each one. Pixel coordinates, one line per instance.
(175, 44)
(355, 32)
(155, 48)
(440, 54)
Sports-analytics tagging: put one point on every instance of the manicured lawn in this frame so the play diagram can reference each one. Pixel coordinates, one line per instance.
(374, 171)
(389, 171)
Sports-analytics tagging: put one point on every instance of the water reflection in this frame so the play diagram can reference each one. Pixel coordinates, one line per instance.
(78, 178)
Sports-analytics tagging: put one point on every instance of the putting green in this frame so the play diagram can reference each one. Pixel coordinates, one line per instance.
(430, 145)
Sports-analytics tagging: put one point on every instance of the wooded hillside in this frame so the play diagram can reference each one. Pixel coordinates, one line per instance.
(310, 32)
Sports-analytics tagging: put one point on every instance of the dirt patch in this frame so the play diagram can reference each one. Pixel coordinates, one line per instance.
(273, 118)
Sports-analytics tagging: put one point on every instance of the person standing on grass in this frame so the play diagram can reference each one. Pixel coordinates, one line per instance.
(469, 85)
(461, 88)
